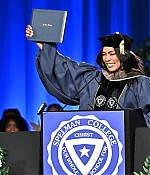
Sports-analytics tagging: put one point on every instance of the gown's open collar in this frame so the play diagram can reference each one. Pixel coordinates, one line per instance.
(121, 74)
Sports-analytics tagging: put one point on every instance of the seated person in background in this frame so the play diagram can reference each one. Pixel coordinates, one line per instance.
(54, 107)
(12, 121)
(51, 107)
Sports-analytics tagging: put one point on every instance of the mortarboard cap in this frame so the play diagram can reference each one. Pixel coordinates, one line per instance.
(117, 40)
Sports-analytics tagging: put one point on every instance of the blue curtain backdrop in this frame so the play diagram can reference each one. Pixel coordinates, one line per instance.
(20, 85)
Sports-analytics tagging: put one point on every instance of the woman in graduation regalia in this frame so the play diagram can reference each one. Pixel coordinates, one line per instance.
(120, 84)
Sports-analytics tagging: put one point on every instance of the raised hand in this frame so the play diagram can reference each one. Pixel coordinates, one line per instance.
(35, 126)
(29, 33)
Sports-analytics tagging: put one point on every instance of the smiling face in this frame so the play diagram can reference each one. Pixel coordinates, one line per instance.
(110, 59)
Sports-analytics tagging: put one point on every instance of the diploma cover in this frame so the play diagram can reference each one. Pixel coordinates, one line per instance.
(48, 25)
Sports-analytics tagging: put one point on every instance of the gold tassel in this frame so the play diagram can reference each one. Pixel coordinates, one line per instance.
(121, 46)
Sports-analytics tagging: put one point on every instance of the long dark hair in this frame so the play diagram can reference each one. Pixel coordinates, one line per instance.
(128, 61)
(13, 114)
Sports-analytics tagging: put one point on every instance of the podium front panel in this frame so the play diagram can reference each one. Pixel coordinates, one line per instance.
(83, 142)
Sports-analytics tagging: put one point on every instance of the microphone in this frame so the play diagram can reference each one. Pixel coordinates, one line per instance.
(94, 77)
(108, 93)
(41, 109)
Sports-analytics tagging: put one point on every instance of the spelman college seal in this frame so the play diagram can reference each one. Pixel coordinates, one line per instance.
(84, 145)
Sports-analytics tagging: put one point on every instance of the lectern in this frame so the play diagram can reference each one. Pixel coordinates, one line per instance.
(142, 148)
(89, 142)
(23, 152)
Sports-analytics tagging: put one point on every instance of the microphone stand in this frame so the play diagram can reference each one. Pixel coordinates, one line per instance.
(40, 112)
(96, 75)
